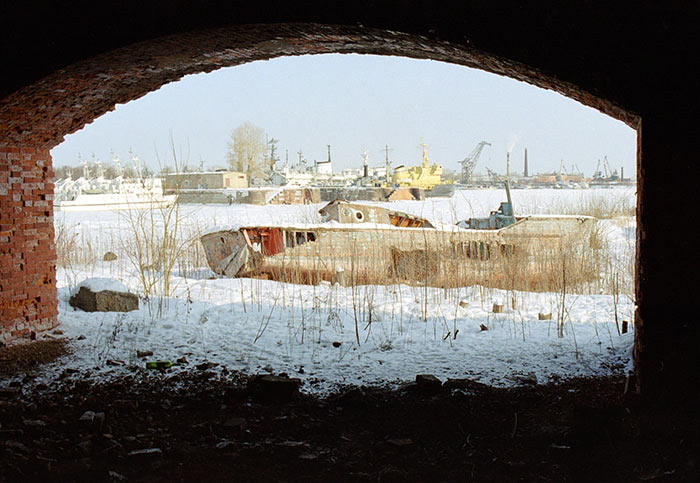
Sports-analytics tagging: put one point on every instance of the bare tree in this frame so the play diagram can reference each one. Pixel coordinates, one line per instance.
(247, 149)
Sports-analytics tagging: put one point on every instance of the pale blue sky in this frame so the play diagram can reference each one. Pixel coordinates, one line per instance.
(356, 102)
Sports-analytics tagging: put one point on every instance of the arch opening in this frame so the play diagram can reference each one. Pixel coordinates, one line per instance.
(367, 312)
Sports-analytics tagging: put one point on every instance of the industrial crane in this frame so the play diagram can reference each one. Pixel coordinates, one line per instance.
(469, 163)
(607, 174)
(610, 174)
(598, 174)
(493, 176)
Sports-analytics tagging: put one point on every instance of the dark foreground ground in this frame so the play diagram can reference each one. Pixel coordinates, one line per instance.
(203, 425)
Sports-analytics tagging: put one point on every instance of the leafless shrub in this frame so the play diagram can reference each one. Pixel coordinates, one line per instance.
(155, 242)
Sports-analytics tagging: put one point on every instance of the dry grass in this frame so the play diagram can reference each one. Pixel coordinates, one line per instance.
(73, 247)
(157, 244)
(600, 205)
(586, 264)
(367, 258)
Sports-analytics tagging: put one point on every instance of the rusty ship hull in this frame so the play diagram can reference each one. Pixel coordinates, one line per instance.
(359, 244)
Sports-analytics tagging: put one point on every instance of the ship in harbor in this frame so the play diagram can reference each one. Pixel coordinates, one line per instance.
(93, 192)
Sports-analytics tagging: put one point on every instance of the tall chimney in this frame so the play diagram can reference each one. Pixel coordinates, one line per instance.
(525, 170)
(508, 165)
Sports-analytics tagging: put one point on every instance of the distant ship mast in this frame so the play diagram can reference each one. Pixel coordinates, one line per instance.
(387, 175)
(425, 155)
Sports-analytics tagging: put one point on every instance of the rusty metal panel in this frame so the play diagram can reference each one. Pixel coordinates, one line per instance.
(227, 252)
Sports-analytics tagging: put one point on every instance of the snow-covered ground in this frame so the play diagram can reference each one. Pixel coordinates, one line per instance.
(332, 335)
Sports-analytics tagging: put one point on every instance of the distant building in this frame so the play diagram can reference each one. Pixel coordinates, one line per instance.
(207, 180)
(324, 168)
(556, 177)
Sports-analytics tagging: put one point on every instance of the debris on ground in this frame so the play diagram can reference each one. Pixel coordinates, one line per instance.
(187, 426)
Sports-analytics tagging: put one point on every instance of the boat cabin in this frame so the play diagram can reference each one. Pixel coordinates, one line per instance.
(344, 212)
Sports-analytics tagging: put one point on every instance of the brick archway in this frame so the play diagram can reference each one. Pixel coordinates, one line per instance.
(68, 99)
(36, 117)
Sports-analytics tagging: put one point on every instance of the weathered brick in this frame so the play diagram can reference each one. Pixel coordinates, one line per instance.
(27, 253)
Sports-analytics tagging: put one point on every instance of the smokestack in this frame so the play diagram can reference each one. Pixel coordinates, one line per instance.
(525, 170)
(622, 173)
(508, 165)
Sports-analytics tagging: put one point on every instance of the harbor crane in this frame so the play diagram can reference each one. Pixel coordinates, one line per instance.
(469, 163)
(597, 174)
(607, 173)
(493, 176)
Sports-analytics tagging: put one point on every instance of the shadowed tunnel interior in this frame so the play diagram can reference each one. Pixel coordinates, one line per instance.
(68, 65)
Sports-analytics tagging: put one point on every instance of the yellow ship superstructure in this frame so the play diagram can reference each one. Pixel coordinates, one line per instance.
(423, 176)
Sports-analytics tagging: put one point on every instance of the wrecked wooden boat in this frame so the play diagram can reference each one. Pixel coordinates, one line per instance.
(364, 244)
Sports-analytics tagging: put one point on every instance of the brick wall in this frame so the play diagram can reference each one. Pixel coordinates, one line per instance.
(27, 251)
(630, 69)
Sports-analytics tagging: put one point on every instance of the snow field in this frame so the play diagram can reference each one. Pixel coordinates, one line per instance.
(332, 335)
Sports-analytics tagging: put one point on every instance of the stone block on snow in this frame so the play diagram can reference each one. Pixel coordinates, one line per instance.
(104, 295)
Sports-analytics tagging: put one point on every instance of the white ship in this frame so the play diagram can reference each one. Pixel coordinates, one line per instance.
(116, 194)
(89, 193)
